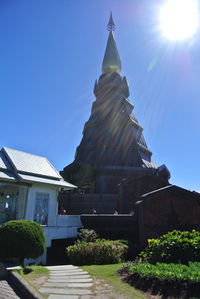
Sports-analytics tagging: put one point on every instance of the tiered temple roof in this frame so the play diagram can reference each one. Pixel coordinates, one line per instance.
(112, 137)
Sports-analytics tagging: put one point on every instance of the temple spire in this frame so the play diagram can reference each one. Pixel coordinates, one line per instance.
(111, 61)
(111, 24)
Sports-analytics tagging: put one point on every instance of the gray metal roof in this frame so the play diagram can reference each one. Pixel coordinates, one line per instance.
(25, 162)
(36, 179)
(7, 175)
(24, 167)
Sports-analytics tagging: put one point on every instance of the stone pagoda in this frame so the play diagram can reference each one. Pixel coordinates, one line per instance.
(113, 149)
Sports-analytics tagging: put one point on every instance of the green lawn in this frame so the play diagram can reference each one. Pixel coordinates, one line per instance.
(33, 271)
(108, 272)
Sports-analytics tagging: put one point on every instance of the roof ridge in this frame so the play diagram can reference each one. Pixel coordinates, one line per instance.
(156, 190)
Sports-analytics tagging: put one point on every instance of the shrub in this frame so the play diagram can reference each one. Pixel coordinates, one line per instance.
(121, 241)
(87, 235)
(170, 272)
(175, 246)
(98, 253)
(21, 239)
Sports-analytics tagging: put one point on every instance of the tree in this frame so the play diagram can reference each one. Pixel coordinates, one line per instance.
(21, 239)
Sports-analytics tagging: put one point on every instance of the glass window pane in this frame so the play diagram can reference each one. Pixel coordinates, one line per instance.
(12, 201)
(41, 208)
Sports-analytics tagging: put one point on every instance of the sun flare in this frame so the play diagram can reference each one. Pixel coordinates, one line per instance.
(179, 19)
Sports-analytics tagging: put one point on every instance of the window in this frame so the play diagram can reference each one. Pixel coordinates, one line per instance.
(41, 208)
(12, 202)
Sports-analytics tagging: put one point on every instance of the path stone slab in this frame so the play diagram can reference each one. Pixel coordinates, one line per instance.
(64, 277)
(62, 296)
(56, 284)
(65, 291)
(67, 273)
(62, 267)
(71, 279)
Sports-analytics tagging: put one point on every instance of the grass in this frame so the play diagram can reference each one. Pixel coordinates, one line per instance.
(108, 273)
(33, 271)
(170, 272)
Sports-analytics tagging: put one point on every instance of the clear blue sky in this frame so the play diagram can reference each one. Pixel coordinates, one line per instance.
(50, 55)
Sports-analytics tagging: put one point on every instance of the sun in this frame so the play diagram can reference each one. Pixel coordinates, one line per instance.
(179, 19)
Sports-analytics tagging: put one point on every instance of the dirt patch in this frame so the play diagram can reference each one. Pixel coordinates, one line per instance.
(38, 281)
(103, 290)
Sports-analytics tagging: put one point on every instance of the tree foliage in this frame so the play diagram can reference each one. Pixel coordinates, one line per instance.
(21, 239)
(173, 247)
(87, 235)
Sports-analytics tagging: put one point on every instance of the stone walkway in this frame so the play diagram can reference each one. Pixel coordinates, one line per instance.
(67, 282)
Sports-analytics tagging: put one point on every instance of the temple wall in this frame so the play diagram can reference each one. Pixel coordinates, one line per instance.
(164, 212)
(77, 204)
(112, 226)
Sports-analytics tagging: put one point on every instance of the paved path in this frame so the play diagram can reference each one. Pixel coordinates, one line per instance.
(67, 282)
(6, 291)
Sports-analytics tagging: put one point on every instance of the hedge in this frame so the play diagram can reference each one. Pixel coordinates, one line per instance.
(173, 247)
(98, 253)
(21, 239)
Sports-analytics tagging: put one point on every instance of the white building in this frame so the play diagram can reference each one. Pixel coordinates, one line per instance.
(29, 187)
